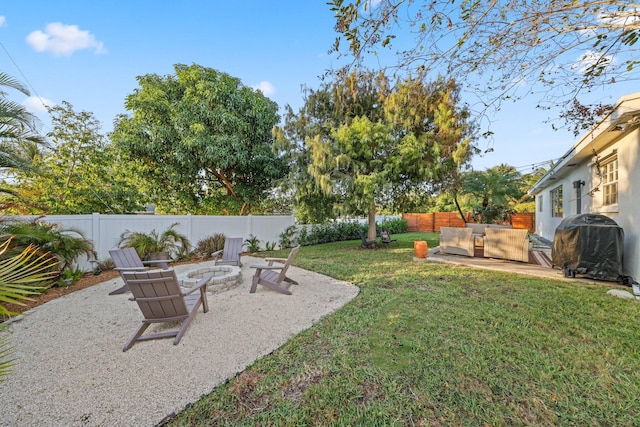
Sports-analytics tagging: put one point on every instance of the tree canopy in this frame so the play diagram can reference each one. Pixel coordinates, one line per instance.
(205, 139)
(368, 141)
(79, 172)
(507, 47)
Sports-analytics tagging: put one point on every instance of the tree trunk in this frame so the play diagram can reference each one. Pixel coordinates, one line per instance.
(372, 224)
(455, 200)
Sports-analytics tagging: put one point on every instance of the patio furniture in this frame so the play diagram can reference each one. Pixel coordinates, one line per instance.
(457, 241)
(506, 243)
(230, 254)
(161, 299)
(127, 259)
(385, 237)
(272, 276)
(368, 243)
(479, 231)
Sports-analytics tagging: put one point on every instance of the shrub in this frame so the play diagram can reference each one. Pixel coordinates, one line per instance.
(350, 230)
(169, 241)
(394, 226)
(288, 237)
(252, 243)
(207, 246)
(65, 244)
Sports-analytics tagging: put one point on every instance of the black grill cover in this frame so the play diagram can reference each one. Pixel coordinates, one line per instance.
(590, 245)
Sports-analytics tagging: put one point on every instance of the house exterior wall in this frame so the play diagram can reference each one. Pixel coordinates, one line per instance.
(626, 212)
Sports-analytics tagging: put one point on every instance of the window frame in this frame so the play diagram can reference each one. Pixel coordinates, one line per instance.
(610, 179)
(557, 202)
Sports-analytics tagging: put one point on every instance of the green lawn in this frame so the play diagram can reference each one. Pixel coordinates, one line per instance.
(433, 344)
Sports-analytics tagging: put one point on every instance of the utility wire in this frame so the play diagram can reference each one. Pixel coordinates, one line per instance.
(24, 77)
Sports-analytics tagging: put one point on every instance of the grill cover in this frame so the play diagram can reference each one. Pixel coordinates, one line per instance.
(590, 245)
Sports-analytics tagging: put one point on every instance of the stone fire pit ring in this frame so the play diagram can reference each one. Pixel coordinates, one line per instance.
(223, 278)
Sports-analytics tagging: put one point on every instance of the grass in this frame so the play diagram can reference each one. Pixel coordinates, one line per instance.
(432, 344)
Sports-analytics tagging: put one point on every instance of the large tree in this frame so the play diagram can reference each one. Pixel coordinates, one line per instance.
(391, 140)
(205, 139)
(333, 104)
(80, 172)
(507, 47)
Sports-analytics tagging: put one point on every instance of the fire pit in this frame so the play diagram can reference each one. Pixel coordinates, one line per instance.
(223, 278)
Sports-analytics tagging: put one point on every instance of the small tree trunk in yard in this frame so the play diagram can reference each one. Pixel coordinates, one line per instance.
(371, 235)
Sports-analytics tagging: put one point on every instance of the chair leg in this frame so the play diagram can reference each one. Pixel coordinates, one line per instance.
(203, 297)
(254, 283)
(135, 336)
(186, 322)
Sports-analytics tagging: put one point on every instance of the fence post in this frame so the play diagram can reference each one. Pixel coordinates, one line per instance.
(95, 230)
(189, 227)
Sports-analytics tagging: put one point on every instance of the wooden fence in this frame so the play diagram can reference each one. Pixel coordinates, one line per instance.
(431, 222)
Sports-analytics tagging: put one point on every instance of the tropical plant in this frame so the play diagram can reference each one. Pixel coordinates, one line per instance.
(269, 246)
(171, 241)
(495, 191)
(252, 243)
(26, 273)
(65, 244)
(19, 137)
(288, 237)
(209, 245)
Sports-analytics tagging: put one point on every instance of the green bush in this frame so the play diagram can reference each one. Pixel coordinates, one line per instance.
(339, 231)
(288, 237)
(209, 245)
(394, 226)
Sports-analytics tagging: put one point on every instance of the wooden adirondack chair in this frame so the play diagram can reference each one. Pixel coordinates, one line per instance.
(230, 254)
(385, 237)
(161, 299)
(127, 259)
(368, 243)
(272, 276)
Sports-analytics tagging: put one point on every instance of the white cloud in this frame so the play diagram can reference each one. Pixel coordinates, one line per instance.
(36, 104)
(3, 21)
(60, 39)
(266, 88)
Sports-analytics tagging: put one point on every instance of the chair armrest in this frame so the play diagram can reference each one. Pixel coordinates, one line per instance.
(164, 263)
(282, 260)
(217, 254)
(267, 267)
(202, 282)
(131, 269)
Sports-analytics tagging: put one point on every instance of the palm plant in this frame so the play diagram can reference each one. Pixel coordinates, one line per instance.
(170, 241)
(65, 244)
(19, 137)
(26, 273)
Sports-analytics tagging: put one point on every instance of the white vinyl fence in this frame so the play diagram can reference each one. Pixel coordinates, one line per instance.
(105, 230)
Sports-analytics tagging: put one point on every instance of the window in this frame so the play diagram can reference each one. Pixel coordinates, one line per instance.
(556, 201)
(610, 182)
(540, 209)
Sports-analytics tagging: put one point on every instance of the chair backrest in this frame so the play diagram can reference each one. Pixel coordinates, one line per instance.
(232, 249)
(126, 258)
(288, 262)
(157, 293)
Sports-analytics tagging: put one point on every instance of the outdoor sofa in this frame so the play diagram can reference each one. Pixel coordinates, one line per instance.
(506, 243)
(456, 241)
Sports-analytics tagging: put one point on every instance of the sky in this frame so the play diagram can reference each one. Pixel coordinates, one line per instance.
(89, 54)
